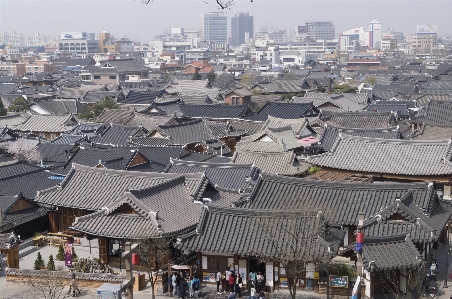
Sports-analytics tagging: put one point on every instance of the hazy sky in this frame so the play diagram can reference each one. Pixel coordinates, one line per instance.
(142, 22)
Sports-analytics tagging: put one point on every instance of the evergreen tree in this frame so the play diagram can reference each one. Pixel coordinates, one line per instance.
(3, 110)
(18, 105)
(197, 76)
(96, 109)
(51, 264)
(211, 76)
(39, 262)
(60, 254)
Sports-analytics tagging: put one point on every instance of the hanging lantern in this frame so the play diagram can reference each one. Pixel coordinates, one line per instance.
(360, 237)
(135, 259)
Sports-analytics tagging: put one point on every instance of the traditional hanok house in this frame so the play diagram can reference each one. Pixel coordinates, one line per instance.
(22, 215)
(230, 176)
(331, 133)
(22, 178)
(214, 112)
(48, 126)
(434, 122)
(6, 134)
(240, 96)
(389, 209)
(395, 237)
(197, 135)
(332, 103)
(281, 237)
(37, 79)
(116, 135)
(363, 120)
(14, 120)
(389, 159)
(193, 91)
(283, 110)
(137, 98)
(73, 197)
(57, 107)
(168, 209)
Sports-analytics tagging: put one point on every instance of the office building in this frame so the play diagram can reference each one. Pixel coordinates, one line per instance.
(214, 30)
(77, 42)
(375, 34)
(241, 25)
(315, 31)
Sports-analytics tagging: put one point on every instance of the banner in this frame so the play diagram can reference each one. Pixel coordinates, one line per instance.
(355, 288)
(68, 254)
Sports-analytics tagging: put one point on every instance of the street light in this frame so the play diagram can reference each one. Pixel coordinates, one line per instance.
(447, 256)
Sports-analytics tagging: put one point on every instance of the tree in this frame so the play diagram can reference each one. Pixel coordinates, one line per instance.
(39, 262)
(96, 109)
(372, 80)
(222, 4)
(60, 254)
(51, 264)
(154, 255)
(197, 76)
(345, 88)
(211, 76)
(3, 110)
(289, 239)
(18, 105)
(22, 150)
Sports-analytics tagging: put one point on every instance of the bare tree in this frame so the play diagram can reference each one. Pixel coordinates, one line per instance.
(294, 239)
(154, 255)
(222, 4)
(22, 150)
(390, 282)
(51, 286)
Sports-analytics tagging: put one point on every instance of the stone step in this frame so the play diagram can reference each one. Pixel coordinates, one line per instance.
(26, 251)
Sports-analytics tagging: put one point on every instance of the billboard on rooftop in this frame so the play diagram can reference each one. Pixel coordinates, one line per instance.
(427, 29)
(73, 35)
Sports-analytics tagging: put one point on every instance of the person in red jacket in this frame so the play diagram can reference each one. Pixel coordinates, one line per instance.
(232, 282)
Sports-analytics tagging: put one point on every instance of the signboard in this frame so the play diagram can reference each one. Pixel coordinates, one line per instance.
(73, 35)
(427, 29)
(283, 282)
(310, 284)
(338, 281)
(68, 254)
(316, 275)
(302, 29)
(208, 277)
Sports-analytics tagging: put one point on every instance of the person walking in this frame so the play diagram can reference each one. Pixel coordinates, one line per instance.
(252, 280)
(189, 286)
(178, 282)
(224, 283)
(238, 284)
(231, 282)
(228, 274)
(183, 288)
(260, 282)
(173, 282)
(218, 280)
(170, 284)
(195, 284)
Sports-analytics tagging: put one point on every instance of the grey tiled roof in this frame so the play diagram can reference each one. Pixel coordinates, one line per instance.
(364, 120)
(150, 141)
(425, 98)
(390, 253)
(280, 163)
(281, 110)
(341, 202)
(187, 132)
(161, 209)
(66, 106)
(28, 184)
(118, 135)
(436, 113)
(13, 120)
(331, 133)
(48, 123)
(14, 169)
(139, 97)
(388, 156)
(84, 183)
(93, 97)
(213, 111)
(148, 122)
(116, 116)
(433, 132)
(410, 220)
(246, 126)
(225, 175)
(299, 126)
(271, 140)
(248, 233)
(22, 216)
(69, 139)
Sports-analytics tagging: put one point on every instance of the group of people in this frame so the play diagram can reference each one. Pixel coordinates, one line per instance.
(179, 283)
(230, 282)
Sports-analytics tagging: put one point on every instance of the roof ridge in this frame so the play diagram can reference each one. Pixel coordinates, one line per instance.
(210, 164)
(399, 141)
(159, 187)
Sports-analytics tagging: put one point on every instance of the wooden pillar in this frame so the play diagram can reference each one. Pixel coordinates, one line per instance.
(54, 222)
(103, 250)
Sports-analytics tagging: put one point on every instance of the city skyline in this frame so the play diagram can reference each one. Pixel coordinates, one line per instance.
(140, 22)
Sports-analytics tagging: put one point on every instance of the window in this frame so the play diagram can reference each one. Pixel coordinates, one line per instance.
(112, 77)
(96, 77)
(215, 263)
(235, 100)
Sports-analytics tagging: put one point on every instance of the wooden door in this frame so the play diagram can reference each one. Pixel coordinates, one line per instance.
(103, 250)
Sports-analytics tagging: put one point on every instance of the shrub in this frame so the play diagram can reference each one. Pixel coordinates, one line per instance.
(60, 254)
(39, 262)
(51, 264)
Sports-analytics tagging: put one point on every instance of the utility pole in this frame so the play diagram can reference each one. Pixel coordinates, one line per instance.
(447, 257)
(359, 251)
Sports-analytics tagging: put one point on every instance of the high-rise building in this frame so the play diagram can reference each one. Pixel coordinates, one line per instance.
(241, 24)
(374, 34)
(320, 30)
(214, 30)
